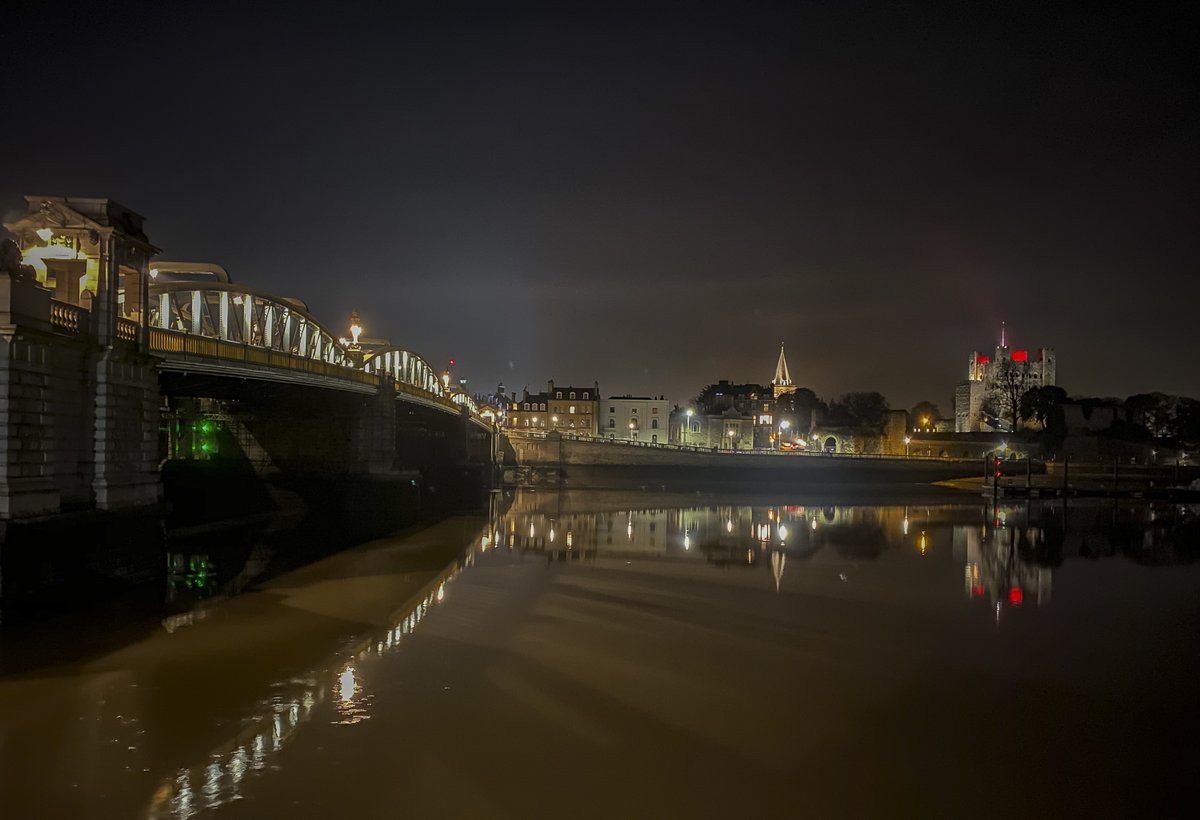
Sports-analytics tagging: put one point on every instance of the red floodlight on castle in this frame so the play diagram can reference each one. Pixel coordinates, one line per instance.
(1020, 355)
(982, 359)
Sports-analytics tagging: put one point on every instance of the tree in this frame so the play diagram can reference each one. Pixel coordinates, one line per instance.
(798, 407)
(1185, 424)
(866, 410)
(1012, 379)
(1042, 403)
(924, 415)
(1150, 410)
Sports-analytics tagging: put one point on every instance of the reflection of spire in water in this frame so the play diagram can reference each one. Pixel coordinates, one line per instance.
(778, 559)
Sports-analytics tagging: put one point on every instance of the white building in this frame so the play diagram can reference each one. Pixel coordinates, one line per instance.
(634, 418)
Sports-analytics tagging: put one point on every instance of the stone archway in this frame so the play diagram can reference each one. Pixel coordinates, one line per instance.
(831, 445)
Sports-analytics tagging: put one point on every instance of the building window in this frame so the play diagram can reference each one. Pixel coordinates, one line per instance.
(695, 427)
(654, 424)
(612, 423)
(634, 411)
(572, 394)
(654, 439)
(612, 409)
(526, 405)
(585, 395)
(558, 395)
(572, 409)
(654, 411)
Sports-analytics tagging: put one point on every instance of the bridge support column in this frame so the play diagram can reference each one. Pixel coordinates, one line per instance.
(376, 433)
(78, 423)
(125, 430)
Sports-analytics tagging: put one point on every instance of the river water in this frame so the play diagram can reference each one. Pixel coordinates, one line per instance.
(589, 654)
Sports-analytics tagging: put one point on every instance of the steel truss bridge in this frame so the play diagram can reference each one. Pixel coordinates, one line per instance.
(224, 329)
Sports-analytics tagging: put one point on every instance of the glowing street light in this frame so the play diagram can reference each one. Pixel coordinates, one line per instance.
(355, 329)
(907, 441)
(689, 425)
(783, 426)
(732, 435)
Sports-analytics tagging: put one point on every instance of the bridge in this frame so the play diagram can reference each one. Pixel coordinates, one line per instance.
(115, 368)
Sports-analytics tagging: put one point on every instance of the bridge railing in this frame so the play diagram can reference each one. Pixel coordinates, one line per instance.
(185, 344)
(68, 318)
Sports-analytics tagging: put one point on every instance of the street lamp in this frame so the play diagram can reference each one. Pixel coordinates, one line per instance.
(732, 435)
(689, 425)
(783, 425)
(907, 441)
(631, 428)
(355, 329)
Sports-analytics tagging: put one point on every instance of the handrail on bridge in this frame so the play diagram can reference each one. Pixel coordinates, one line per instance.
(220, 320)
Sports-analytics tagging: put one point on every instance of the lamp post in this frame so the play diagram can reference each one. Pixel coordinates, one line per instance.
(689, 425)
(632, 425)
(783, 425)
(907, 441)
(354, 348)
(732, 435)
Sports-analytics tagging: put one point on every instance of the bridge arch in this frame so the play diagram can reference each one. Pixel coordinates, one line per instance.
(405, 368)
(242, 315)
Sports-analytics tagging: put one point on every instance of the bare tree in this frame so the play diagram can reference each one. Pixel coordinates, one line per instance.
(1011, 382)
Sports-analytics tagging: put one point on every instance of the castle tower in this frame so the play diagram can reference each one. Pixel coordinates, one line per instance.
(782, 383)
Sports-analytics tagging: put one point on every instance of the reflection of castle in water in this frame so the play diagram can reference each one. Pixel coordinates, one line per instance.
(1008, 553)
(995, 568)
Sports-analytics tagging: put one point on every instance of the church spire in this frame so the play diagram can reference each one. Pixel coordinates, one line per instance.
(782, 377)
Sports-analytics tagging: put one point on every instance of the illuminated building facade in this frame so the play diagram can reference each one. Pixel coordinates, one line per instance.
(564, 408)
(635, 418)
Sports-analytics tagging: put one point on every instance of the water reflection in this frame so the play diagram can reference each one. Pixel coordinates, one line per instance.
(269, 729)
(1007, 551)
(1007, 555)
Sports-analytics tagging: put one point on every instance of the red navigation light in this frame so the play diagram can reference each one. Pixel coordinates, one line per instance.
(1015, 596)
(452, 362)
(1020, 355)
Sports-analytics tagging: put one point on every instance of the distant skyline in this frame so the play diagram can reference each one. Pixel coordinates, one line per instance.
(652, 196)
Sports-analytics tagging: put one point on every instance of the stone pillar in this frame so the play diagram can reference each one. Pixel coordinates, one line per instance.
(375, 437)
(126, 419)
(27, 484)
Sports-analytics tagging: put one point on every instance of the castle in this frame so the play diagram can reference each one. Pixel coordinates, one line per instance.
(979, 403)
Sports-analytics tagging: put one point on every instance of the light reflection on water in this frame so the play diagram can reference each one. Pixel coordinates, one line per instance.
(278, 720)
(1008, 555)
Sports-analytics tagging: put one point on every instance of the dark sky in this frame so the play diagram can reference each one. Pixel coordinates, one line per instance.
(655, 195)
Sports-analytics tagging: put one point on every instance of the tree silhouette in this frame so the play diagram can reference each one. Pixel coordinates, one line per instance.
(1012, 380)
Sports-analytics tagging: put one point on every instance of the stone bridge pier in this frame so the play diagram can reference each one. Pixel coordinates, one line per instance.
(78, 412)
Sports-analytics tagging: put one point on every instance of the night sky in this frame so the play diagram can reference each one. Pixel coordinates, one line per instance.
(654, 196)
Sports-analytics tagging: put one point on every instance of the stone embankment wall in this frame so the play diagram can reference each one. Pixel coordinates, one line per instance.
(582, 461)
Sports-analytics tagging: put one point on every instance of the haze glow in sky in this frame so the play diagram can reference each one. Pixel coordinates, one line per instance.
(655, 196)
